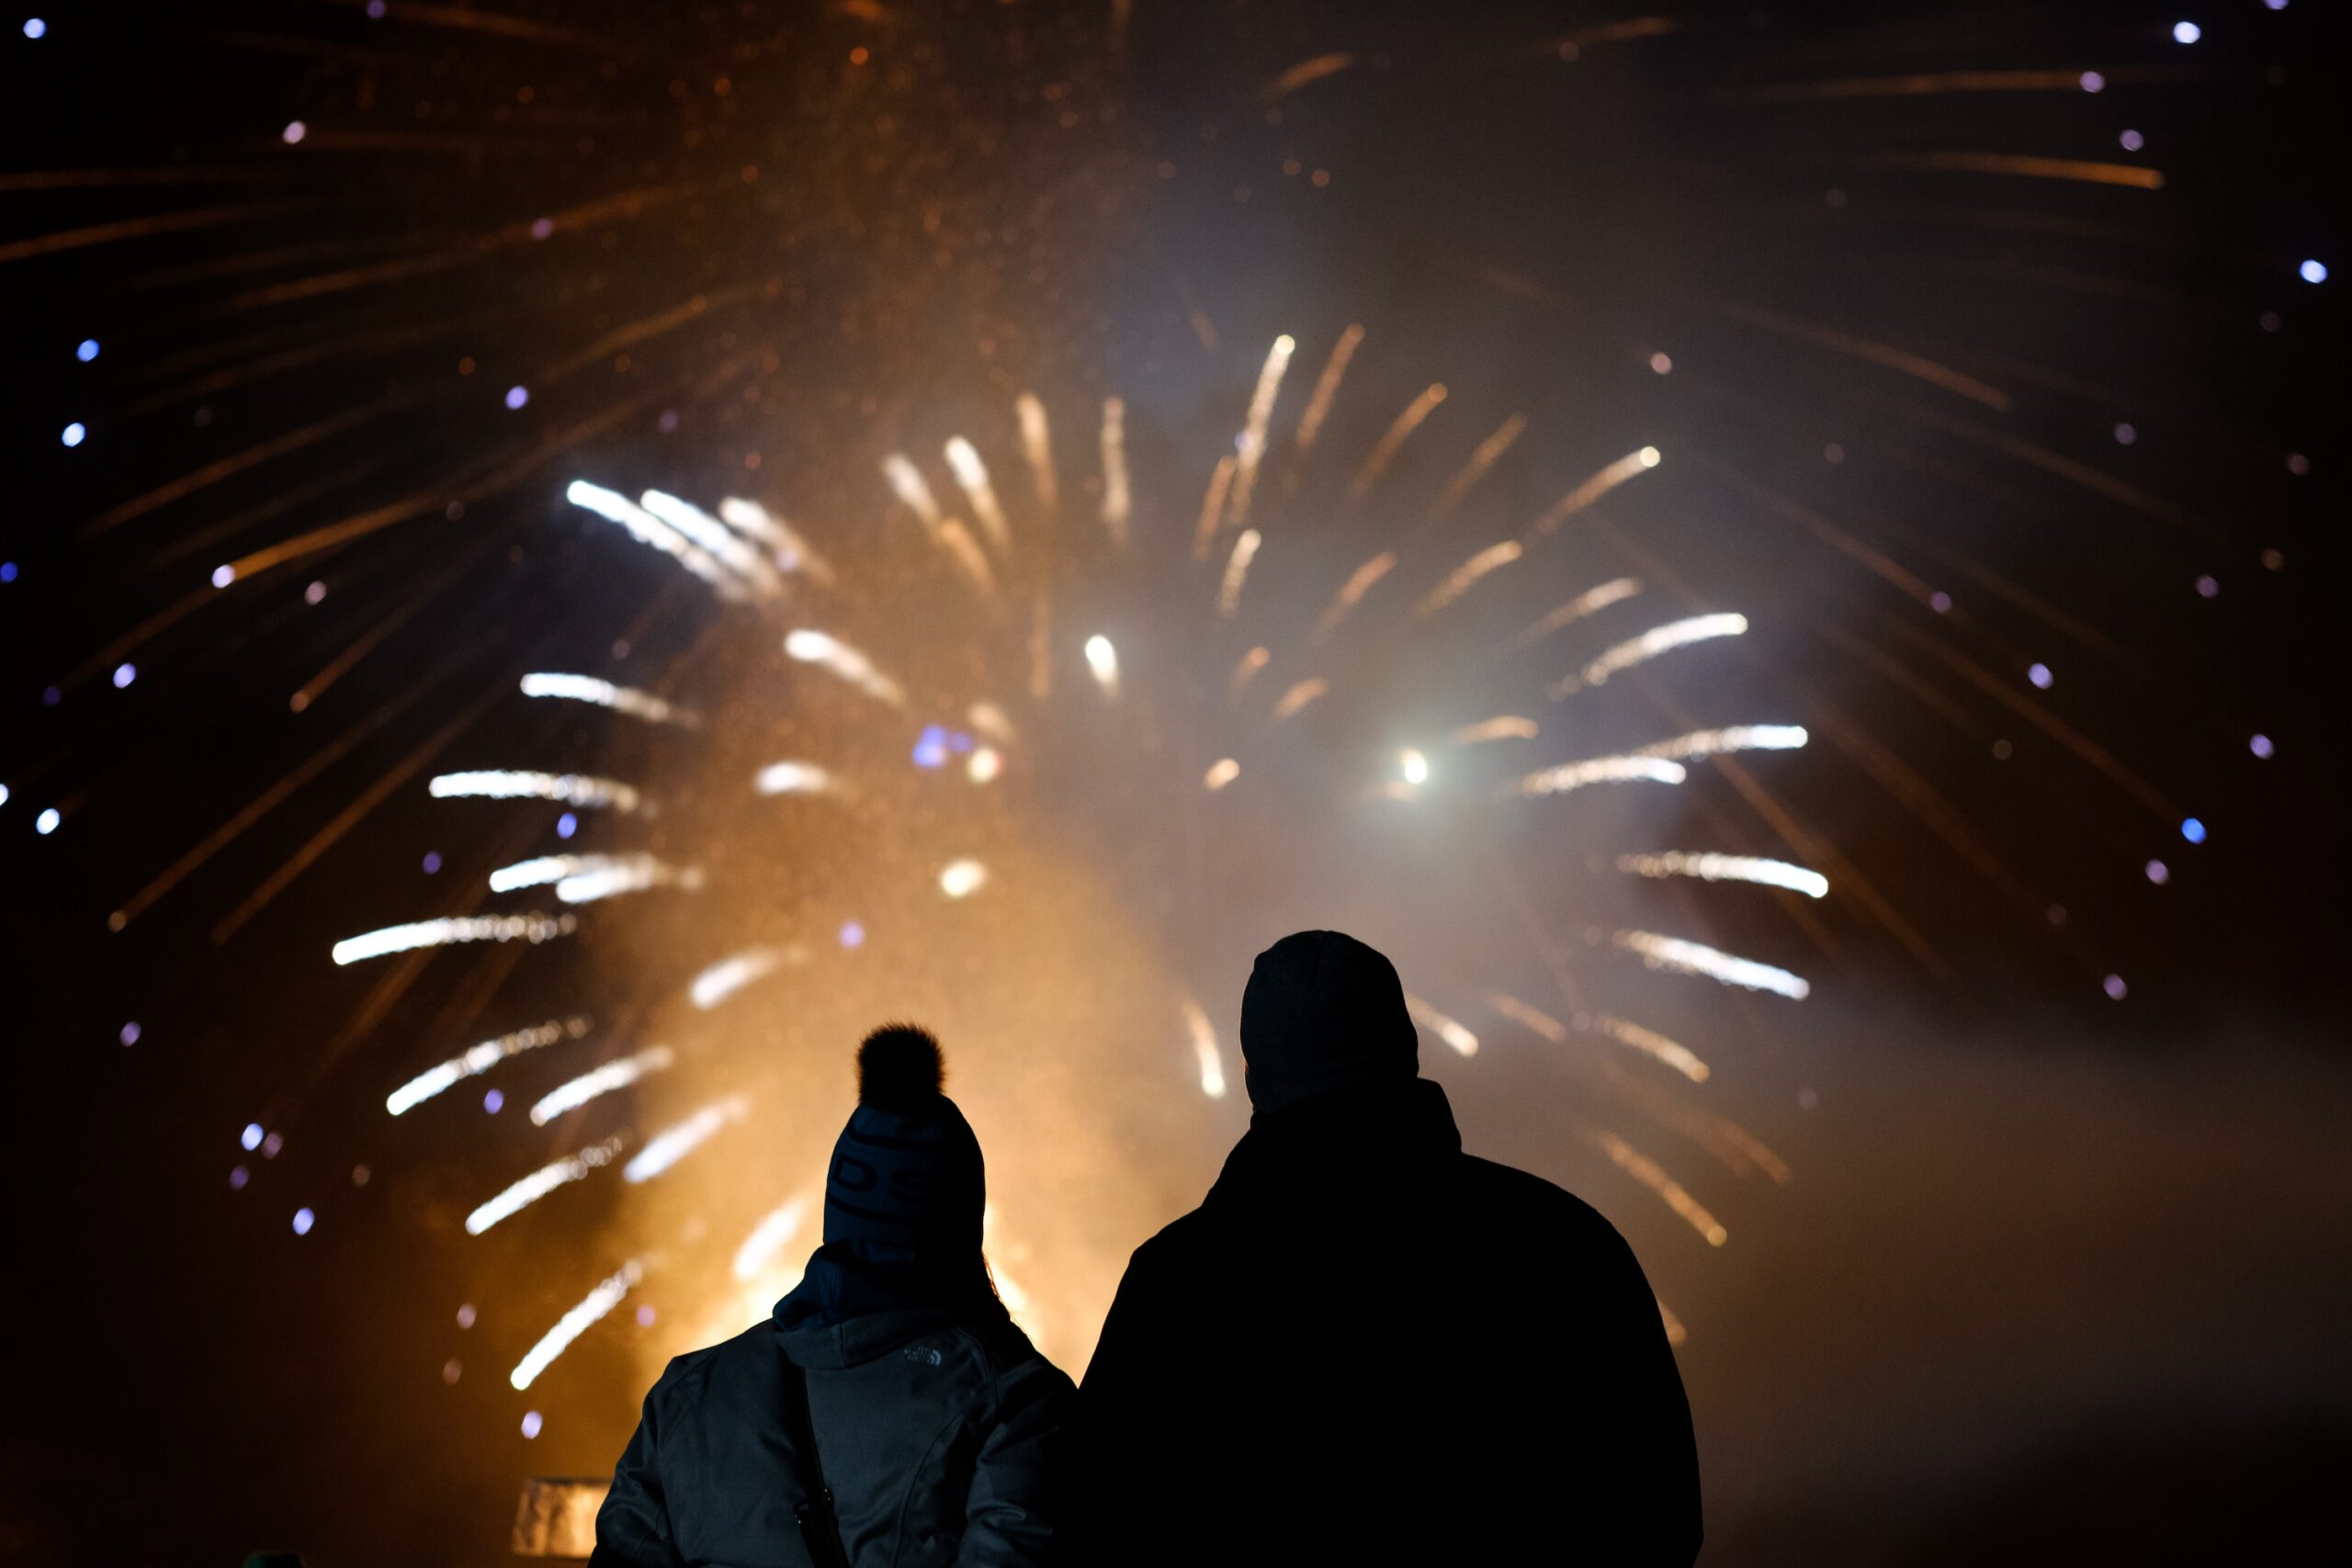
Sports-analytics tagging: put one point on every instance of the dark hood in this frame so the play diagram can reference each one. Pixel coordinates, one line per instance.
(857, 1301)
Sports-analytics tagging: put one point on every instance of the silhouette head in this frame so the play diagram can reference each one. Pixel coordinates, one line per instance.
(907, 1171)
(1323, 1012)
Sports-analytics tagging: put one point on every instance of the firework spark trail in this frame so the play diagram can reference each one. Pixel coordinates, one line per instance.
(956, 543)
(1117, 502)
(620, 1073)
(1728, 868)
(1578, 608)
(1299, 695)
(480, 1059)
(646, 529)
(1651, 1043)
(534, 927)
(507, 783)
(544, 870)
(1327, 387)
(770, 1236)
(796, 778)
(721, 980)
(539, 1183)
(625, 874)
(1222, 772)
(1502, 726)
(1102, 659)
(1446, 1028)
(962, 878)
(1488, 454)
(1528, 1017)
(1351, 592)
(1037, 446)
(789, 549)
(1691, 958)
(1212, 507)
(1592, 489)
(973, 474)
(1237, 572)
(832, 654)
(1465, 575)
(1205, 1048)
(1246, 668)
(1386, 452)
(721, 543)
(1252, 448)
(1650, 1174)
(1602, 769)
(1648, 646)
(604, 693)
(908, 484)
(674, 1143)
(1733, 738)
(569, 1327)
(1675, 1333)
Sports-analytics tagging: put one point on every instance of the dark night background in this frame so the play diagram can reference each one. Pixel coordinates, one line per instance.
(2060, 1280)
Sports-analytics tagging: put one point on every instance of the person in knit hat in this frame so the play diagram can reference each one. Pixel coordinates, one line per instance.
(1366, 1346)
(890, 1415)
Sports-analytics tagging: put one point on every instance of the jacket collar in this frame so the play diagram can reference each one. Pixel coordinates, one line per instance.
(1343, 1140)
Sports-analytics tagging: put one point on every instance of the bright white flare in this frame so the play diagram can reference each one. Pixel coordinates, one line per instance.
(506, 783)
(1414, 766)
(576, 1322)
(1503, 727)
(790, 552)
(1222, 772)
(1117, 502)
(1252, 446)
(796, 778)
(1691, 958)
(1650, 1042)
(1650, 1174)
(1602, 769)
(674, 1143)
(725, 546)
(1103, 661)
(730, 975)
(973, 474)
(539, 1183)
(1205, 1050)
(1237, 572)
(604, 693)
(445, 932)
(830, 653)
(1736, 737)
(479, 1059)
(573, 1093)
(648, 529)
(1578, 608)
(1728, 868)
(960, 878)
(1648, 646)
(1439, 1024)
(771, 1235)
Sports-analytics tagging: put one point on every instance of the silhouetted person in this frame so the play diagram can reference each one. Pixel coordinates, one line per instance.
(936, 1422)
(1366, 1346)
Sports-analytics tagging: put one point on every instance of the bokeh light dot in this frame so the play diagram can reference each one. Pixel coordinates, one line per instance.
(2187, 32)
(46, 823)
(251, 1137)
(431, 862)
(2040, 676)
(128, 1034)
(566, 825)
(465, 1315)
(223, 575)
(35, 28)
(2159, 872)
(2313, 272)
(294, 132)
(853, 934)
(2298, 465)
(86, 350)
(1939, 601)
(2132, 140)
(2092, 81)
(238, 1177)
(2208, 587)
(517, 396)
(2192, 829)
(7, 571)
(303, 1221)
(451, 1370)
(270, 1143)
(124, 674)
(315, 593)
(495, 1101)
(2114, 987)
(1661, 364)
(2260, 746)
(73, 433)
(645, 1317)
(532, 1423)
(2126, 434)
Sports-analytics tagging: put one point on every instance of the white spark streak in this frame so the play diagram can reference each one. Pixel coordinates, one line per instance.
(1690, 958)
(444, 932)
(789, 549)
(1650, 1042)
(908, 484)
(604, 693)
(730, 975)
(1222, 772)
(973, 474)
(1735, 737)
(1648, 646)
(796, 778)
(1205, 1050)
(648, 529)
(1728, 868)
(830, 653)
(539, 1183)
(504, 784)
(621, 1073)
(674, 1143)
(1650, 1174)
(1602, 769)
(1578, 608)
(771, 1235)
(576, 1322)
(1103, 661)
(1503, 727)
(479, 1059)
(724, 545)
(1252, 446)
(1117, 502)
(1465, 575)
(1439, 1024)
(1036, 444)
(1593, 489)
(1237, 572)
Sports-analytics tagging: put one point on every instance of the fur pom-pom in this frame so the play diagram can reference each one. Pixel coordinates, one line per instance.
(899, 1062)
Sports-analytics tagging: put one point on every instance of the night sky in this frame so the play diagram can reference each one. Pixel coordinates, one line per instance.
(1988, 361)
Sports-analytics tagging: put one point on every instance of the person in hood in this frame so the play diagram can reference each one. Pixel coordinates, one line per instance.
(1366, 1346)
(890, 1415)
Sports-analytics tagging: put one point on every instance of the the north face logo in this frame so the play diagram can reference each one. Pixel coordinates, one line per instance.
(921, 1356)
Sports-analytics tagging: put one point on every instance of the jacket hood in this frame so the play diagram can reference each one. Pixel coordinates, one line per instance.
(1338, 1143)
(857, 1301)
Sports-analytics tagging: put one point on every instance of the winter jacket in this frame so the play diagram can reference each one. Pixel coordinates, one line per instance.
(1368, 1347)
(937, 1428)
